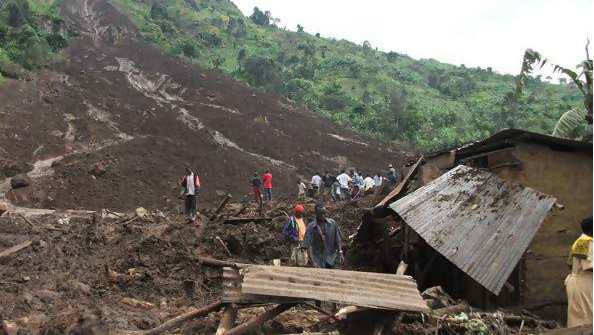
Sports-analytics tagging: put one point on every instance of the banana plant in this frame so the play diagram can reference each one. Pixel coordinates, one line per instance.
(571, 124)
(582, 78)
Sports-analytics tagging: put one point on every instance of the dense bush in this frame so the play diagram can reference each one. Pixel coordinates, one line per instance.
(30, 34)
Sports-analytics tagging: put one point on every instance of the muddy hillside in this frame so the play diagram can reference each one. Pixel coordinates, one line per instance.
(112, 123)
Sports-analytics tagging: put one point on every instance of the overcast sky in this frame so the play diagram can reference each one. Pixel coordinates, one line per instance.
(471, 32)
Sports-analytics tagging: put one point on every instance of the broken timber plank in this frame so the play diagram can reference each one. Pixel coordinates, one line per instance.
(15, 249)
(232, 220)
(179, 320)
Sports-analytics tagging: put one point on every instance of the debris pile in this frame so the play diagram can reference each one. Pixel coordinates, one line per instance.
(127, 271)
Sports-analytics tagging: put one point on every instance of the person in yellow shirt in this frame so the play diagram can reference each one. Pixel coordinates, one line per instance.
(579, 282)
(294, 230)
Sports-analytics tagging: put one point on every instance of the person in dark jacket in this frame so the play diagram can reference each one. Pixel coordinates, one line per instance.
(190, 184)
(256, 184)
(323, 240)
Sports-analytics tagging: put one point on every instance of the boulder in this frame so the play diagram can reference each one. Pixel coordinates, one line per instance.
(19, 181)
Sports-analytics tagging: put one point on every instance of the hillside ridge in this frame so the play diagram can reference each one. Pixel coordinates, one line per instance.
(115, 122)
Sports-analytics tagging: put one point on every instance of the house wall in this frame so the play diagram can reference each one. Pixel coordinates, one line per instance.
(568, 177)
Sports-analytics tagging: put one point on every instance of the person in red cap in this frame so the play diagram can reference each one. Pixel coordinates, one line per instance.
(294, 231)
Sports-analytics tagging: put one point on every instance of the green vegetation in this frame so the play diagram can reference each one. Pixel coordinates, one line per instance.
(387, 95)
(576, 123)
(31, 32)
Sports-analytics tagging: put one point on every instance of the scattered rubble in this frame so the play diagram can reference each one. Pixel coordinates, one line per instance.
(152, 272)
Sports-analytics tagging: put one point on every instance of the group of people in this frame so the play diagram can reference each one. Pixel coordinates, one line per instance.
(318, 242)
(257, 183)
(341, 185)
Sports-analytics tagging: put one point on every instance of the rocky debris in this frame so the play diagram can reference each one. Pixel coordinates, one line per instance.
(19, 182)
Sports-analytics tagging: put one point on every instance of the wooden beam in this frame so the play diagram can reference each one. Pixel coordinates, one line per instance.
(15, 249)
(179, 320)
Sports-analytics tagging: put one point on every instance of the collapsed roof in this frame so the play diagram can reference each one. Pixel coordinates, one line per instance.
(477, 221)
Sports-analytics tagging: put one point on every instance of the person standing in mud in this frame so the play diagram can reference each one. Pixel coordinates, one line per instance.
(256, 184)
(267, 181)
(190, 184)
(323, 240)
(579, 282)
(294, 231)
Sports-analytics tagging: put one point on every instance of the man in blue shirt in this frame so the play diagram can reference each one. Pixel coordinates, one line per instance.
(323, 240)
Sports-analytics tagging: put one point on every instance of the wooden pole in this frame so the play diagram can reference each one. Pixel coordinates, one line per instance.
(228, 319)
(179, 320)
(259, 320)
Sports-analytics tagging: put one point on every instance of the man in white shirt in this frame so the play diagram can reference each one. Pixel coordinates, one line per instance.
(316, 182)
(343, 180)
(369, 184)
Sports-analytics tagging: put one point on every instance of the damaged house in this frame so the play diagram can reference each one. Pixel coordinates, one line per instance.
(491, 222)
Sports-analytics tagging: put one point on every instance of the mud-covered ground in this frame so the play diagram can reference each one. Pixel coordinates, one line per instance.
(128, 273)
(120, 120)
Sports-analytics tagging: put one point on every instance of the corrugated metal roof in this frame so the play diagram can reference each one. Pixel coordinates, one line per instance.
(366, 289)
(477, 221)
(511, 136)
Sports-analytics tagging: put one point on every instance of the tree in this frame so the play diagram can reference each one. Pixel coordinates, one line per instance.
(18, 13)
(260, 18)
(299, 28)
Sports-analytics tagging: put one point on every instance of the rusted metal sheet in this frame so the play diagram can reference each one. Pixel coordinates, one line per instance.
(366, 289)
(476, 220)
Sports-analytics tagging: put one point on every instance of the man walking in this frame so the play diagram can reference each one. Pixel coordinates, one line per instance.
(323, 240)
(316, 183)
(267, 181)
(190, 184)
(294, 230)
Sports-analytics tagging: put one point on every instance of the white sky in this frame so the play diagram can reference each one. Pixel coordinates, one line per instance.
(471, 32)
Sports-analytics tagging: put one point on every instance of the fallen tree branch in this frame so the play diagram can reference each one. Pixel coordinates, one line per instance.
(223, 244)
(221, 206)
(179, 320)
(27, 221)
(15, 249)
(259, 320)
(227, 320)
